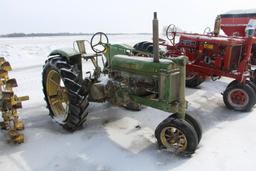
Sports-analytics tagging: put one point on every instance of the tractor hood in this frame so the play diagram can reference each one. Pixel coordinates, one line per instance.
(141, 65)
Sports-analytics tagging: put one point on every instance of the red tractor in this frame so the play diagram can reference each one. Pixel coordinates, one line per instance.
(213, 55)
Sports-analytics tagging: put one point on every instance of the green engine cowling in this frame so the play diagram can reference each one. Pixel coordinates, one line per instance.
(159, 85)
(115, 49)
(141, 65)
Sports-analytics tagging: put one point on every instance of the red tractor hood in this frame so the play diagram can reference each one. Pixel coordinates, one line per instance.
(209, 39)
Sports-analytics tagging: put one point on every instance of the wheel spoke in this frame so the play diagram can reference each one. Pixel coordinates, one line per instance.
(52, 87)
(64, 97)
(174, 139)
(180, 137)
(53, 96)
(95, 45)
(55, 100)
(54, 82)
(66, 108)
(100, 37)
(168, 136)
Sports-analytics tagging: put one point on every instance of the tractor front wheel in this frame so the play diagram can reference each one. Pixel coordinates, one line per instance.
(235, 82)
(66, 101)
(176, 135)
(239, 97)
(193, 122)
(193, 79)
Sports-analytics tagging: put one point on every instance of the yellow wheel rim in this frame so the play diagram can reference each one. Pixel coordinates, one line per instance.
(57, 96)
(173, 139)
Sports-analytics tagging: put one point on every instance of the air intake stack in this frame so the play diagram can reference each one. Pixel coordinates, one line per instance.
(155, 38)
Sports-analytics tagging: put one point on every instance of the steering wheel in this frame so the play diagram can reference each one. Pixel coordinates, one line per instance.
(170, 32)
(98, 42)
(207, 31)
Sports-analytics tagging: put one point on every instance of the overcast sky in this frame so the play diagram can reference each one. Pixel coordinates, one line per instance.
(31, 16)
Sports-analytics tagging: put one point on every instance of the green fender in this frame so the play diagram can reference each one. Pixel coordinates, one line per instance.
(73, 56)
(67, 53)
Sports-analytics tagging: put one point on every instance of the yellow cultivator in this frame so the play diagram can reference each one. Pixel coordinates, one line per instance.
(9, 103)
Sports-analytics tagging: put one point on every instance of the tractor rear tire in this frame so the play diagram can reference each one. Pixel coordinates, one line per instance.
(194, 80)
(143, 46)
(176, 135)
(149, 48)
(64, 96)
(239, 97)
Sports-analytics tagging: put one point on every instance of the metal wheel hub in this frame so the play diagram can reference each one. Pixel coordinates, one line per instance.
(238, 97)
(57, 96)
(174, 139)
(62, 94)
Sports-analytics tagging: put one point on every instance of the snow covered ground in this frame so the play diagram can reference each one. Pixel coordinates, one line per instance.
(110, 140)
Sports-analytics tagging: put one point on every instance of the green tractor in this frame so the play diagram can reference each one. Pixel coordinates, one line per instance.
(125, 80)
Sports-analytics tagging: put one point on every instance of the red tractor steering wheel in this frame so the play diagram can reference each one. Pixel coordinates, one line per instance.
(98, 42)
(207, 31)
(171, 33)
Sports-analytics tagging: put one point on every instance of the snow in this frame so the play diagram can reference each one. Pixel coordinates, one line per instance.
(113, 138)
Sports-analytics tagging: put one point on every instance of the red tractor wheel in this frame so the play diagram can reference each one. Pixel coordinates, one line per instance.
(239, 97)
(235, 82)
(193, 79)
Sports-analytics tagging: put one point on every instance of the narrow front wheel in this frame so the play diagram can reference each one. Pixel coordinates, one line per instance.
(176, 135)
(193, 122)
(194, 80)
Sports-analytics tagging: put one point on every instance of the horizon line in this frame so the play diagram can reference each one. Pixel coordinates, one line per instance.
(61, 34)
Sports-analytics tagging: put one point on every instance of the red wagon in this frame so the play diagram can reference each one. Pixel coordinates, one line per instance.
(235, 22)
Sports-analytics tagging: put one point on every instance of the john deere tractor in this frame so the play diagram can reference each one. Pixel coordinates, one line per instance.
(125, 80)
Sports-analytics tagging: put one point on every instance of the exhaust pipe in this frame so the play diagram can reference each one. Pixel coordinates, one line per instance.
(155, 38)
(216, 31)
